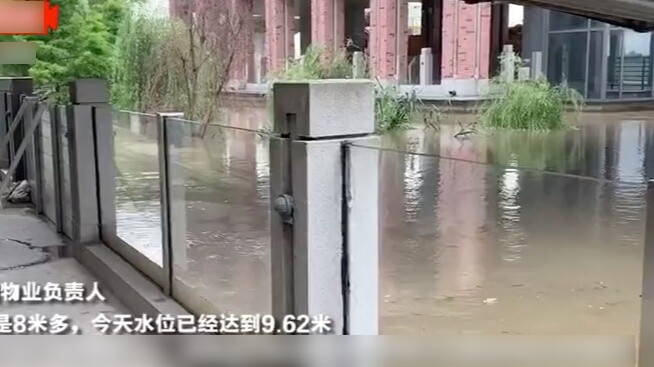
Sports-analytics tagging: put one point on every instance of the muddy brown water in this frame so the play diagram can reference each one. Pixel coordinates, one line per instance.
(503, 233)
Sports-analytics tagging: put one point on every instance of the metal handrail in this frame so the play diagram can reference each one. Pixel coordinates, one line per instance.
(14, 125)
(36, 121)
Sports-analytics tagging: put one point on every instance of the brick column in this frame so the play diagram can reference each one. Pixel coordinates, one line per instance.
(466, 40)
(181, 9)
(328, 23)
(279, 32)
(389, 39)
(175, 8)
(244, 44)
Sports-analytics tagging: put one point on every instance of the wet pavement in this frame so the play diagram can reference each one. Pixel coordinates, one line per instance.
(496, 233)
(31, 251)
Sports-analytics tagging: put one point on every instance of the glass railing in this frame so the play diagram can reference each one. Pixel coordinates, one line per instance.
(468, 247)
(516, 233)
(219, 214)
(137, 231)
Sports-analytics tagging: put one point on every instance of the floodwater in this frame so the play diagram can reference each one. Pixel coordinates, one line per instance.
(520, 233)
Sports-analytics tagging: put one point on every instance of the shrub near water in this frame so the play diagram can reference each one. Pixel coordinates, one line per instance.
(394, 111)
(317, 63)
(529, 104)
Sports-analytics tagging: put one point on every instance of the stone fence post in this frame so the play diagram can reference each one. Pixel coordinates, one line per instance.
(90, 150)
(324, 233)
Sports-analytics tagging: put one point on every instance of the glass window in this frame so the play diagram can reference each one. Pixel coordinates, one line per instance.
(567, 59)
(597, 24)
(562, 21)
(415, 18)
(636, 64)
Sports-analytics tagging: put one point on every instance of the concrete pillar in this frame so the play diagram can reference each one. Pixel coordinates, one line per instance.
(279, 32)
(242, 11)
(328, 23)
(260, 66)
(358, 65)
(426, 66)
(466, 40)
(524, 73)
(389, 33)
(508, 65)
(89, 123)
(537, 64)
(316, 269)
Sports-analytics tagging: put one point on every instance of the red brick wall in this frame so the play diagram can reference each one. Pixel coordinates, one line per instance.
(466, 53)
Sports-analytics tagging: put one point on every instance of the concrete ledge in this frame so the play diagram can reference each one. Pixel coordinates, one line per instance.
(133, 289)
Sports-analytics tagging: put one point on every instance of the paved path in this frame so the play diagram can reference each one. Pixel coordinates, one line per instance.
(31, 251)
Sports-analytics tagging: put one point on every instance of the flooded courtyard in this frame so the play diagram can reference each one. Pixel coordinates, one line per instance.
(497, 233)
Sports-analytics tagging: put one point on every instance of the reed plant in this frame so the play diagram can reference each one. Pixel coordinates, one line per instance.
(533, 104)
(394, 110)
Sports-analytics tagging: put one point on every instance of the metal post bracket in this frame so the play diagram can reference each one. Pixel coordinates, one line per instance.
(284, 206)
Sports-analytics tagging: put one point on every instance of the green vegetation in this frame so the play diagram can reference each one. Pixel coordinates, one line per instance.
(154, 63)
(393, 110)
(164, 64)
(317, 63)
(140, 39)
(528, 104)
(82, 46)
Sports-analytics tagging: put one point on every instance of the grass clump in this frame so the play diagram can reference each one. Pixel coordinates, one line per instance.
(529, 104)
(394, 110)
(317, 63)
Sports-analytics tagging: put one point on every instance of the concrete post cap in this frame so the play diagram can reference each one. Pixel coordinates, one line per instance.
(89, 91)
(324, 108)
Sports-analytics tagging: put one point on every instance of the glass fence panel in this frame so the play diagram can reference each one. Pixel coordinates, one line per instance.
(138, 193)
(219, 210)
(470, 248)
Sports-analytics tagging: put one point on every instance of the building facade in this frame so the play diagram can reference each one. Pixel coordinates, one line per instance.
(391, 32)
(601, 61)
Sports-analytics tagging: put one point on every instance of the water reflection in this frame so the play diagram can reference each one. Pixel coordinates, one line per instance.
(466, 247)
(516, 250)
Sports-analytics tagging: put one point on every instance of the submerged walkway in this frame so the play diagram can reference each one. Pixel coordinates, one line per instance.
(31, 252)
